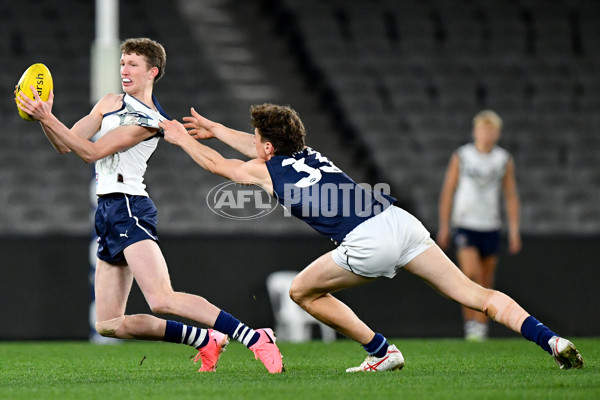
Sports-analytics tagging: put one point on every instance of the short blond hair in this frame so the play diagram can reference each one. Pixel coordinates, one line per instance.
(488, 116)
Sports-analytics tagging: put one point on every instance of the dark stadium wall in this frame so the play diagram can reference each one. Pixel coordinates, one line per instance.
(44, 292)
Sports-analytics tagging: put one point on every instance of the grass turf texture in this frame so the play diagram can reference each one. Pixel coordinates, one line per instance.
(435, 369)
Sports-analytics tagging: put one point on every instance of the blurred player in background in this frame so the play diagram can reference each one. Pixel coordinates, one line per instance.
(470, 206)
(375, 238)
(127, 126)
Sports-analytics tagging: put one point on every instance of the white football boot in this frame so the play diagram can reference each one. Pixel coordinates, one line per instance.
(392, 361)
(476, 331)
(565, 354)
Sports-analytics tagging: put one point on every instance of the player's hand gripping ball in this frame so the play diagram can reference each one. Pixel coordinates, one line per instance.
(38, 76)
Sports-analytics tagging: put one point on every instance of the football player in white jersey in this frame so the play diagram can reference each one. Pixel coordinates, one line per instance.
(371, 244)
(470, 206)
(127, 126)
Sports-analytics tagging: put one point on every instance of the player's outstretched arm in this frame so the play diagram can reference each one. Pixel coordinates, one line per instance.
(85, 129)
(203, 128)
(207, 158)
(57, 133)
(76, 139)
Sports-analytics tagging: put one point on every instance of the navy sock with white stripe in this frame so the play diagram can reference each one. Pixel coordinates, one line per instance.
(231, 326)
(177, 332)
(534, 330)
(378, 346)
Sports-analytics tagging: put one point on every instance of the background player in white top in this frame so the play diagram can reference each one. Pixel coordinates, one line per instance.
(371, 244)
(126, 217)
(470, 204)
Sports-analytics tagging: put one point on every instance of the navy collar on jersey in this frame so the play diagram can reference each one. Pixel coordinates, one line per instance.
(156, 103)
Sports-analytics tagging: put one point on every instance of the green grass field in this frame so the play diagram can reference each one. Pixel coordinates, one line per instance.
(435, 369)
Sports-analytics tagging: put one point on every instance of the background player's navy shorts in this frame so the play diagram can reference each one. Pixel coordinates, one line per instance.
(487, 243)
(122, 220)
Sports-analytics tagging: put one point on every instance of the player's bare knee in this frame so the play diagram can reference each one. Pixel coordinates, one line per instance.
(294, 293)
(297, 294)
(160, 306)
(109, 327)
(161, 303)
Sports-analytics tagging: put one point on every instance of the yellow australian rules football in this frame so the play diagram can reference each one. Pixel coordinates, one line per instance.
(38, 76)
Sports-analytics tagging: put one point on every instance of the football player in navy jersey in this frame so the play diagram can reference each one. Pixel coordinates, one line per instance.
(375, 238)
(128, 133)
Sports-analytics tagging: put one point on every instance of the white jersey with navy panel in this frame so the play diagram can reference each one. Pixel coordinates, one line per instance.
(123, 172)
(314, 190)
(476, 203)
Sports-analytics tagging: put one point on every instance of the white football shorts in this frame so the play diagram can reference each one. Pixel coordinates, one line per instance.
(382, 245)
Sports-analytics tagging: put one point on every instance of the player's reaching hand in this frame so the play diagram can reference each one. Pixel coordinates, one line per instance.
(37, 108)
(174, 131)
(203, 128)
(198, 126)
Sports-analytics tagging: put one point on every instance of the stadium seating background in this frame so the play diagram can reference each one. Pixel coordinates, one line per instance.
(386, 89)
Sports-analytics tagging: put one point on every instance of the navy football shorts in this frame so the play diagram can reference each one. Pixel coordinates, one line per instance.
(122, 220)
(487, 243)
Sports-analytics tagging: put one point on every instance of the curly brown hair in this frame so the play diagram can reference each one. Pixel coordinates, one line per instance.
(280, 125)
(154, 52)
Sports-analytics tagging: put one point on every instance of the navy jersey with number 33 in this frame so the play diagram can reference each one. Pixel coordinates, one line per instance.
(312, 188)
